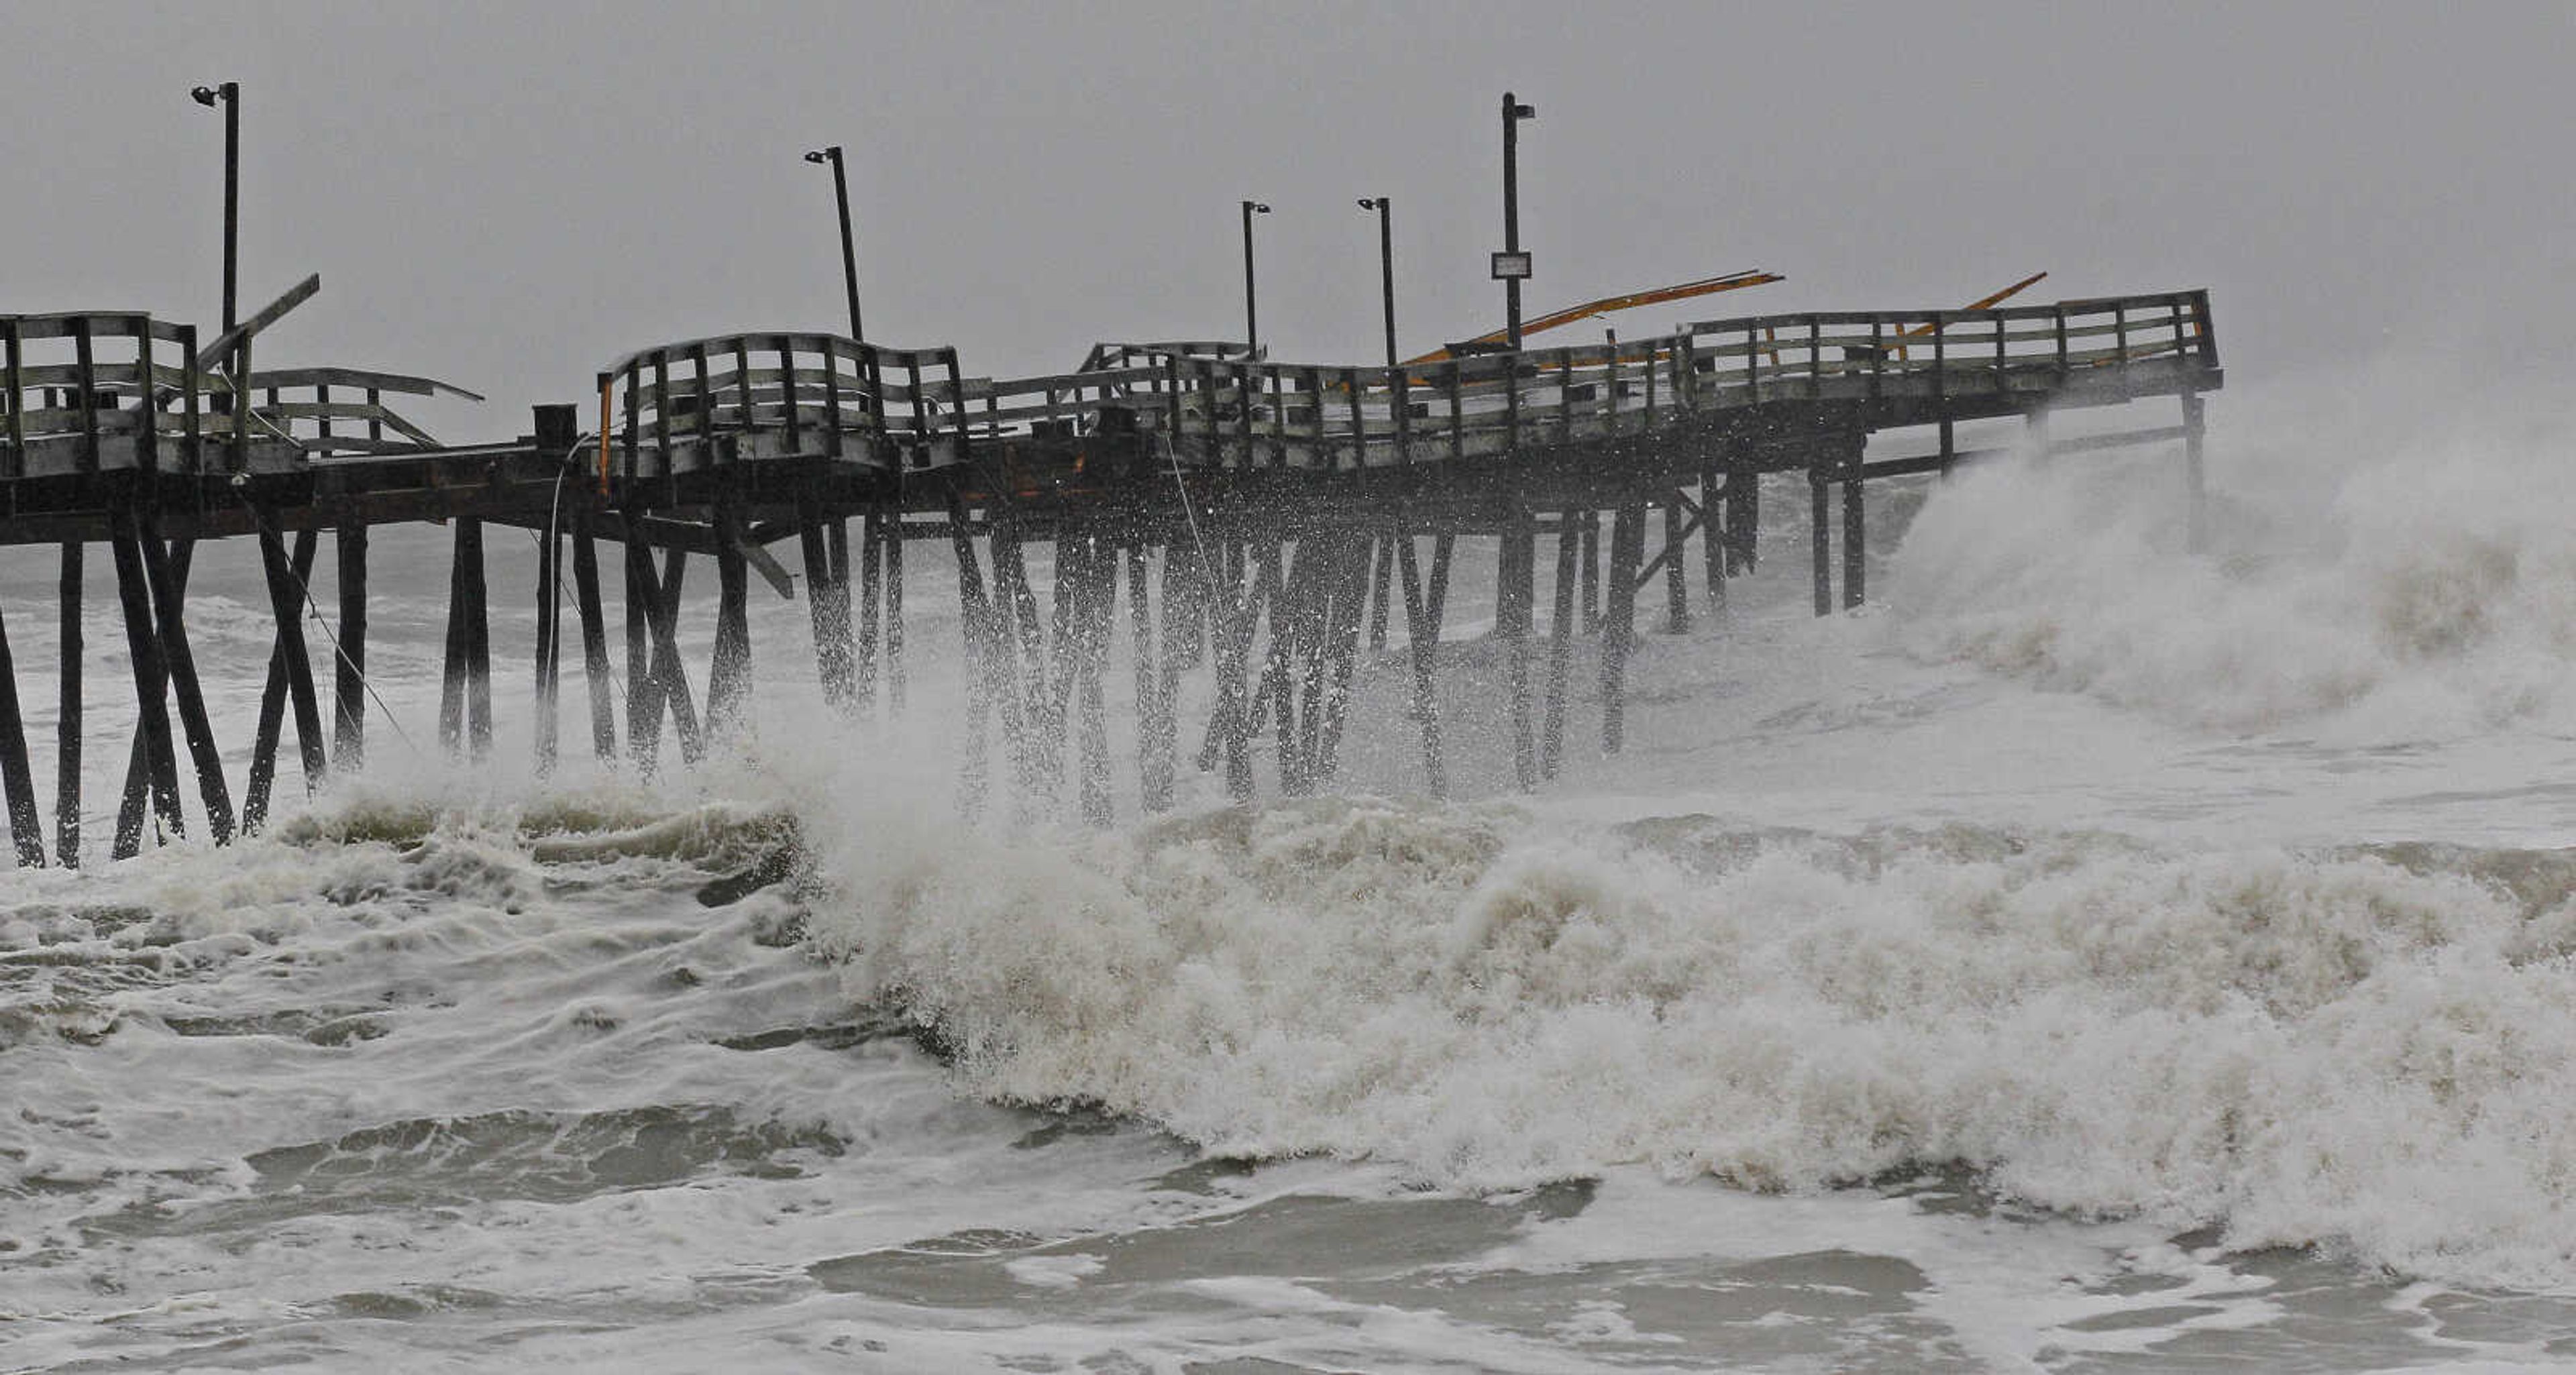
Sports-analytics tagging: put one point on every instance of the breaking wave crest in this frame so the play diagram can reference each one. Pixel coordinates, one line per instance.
(2372, 1050)
(2365, 577)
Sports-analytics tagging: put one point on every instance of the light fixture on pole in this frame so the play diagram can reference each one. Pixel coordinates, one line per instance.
(1385, 208)
(1251, 300)
(849, 252)
(229, 94)
(1511, 264)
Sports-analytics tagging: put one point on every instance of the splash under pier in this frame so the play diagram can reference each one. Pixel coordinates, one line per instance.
(1258, 519)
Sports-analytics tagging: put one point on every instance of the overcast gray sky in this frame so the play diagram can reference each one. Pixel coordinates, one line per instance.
(509, 196)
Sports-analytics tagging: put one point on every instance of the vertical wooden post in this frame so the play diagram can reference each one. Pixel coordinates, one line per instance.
(151, 687)
(594, 633)
(872, 544)
(1521, 595)
(729, 672)
(1560, 640)
(891, 522)
(1381, 583)
(1619, 630)
(182, 666)
(826, 596)
(67, 730)
(643, 591)
(1362, 555)
(1155, 746)
(142, 780)
(1591, 562)
(1422, 631)
(1743, 519)
(671, 673)
(1097, 607)
(1676, 567)
(349, 694)
(285, 659)
(548, 725)
(2195, 428)
(16, 779)
(478, 640)
(1712, 533)
(1855, 527)
(1822, 546)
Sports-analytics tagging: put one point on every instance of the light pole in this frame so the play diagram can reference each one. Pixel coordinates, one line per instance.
(849, 253)
(1513, 113)
(229, 94)
(1251, 305)
(1385, 208)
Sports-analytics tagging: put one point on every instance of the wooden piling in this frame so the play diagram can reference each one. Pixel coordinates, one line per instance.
(67, 729)
(1521, 594)
(349, 686)
(548, 724)
(1821, 536)
(1619, 627)
(1560, 639)
(285, 658)
(1154, 743)
(872, 542)
(729, 670)
(1381, 582)
(1590, 555)
(151, 688)
(1422, 630)
(170, 622)
(826, 598)
(670, 673)
(1676, 567)
(1712, 533)
(2195, 429)
(1855, 530)
(594, 635)
(643, 704)
(16, 779)
(1095, 609)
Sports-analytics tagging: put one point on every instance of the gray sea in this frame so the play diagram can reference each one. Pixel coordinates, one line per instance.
(2093, 955)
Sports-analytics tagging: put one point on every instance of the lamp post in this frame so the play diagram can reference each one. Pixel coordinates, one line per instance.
(849, 253)
(1513, 113)
(1251, 301)
(229, 94)
(1385, 208)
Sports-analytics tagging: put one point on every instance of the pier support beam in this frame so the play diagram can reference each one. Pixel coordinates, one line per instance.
(2195, 429)
(594, 635)
(465, 696)
(1422, 629)
(290, 676)
(16, 779)
(349, 685)
(1619, 629)
(1676, 567)
(181, 664)
(729, 671)
(67, 728)
(1820, 532)
(1560, 645)
(151, 690)
(1855, 531)
(548, 725)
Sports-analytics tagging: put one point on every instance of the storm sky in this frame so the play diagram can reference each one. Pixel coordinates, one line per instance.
(507, 197)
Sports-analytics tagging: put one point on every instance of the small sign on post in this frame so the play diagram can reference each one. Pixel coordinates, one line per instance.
(1511, 267)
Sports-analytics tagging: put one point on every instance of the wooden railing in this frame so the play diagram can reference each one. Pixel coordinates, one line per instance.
(93, 392)
(711, 401)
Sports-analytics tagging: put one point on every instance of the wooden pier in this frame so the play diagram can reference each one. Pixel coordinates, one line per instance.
(1260, 517)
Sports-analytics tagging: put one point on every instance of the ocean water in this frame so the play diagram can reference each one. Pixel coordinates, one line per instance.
(2093, 955)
